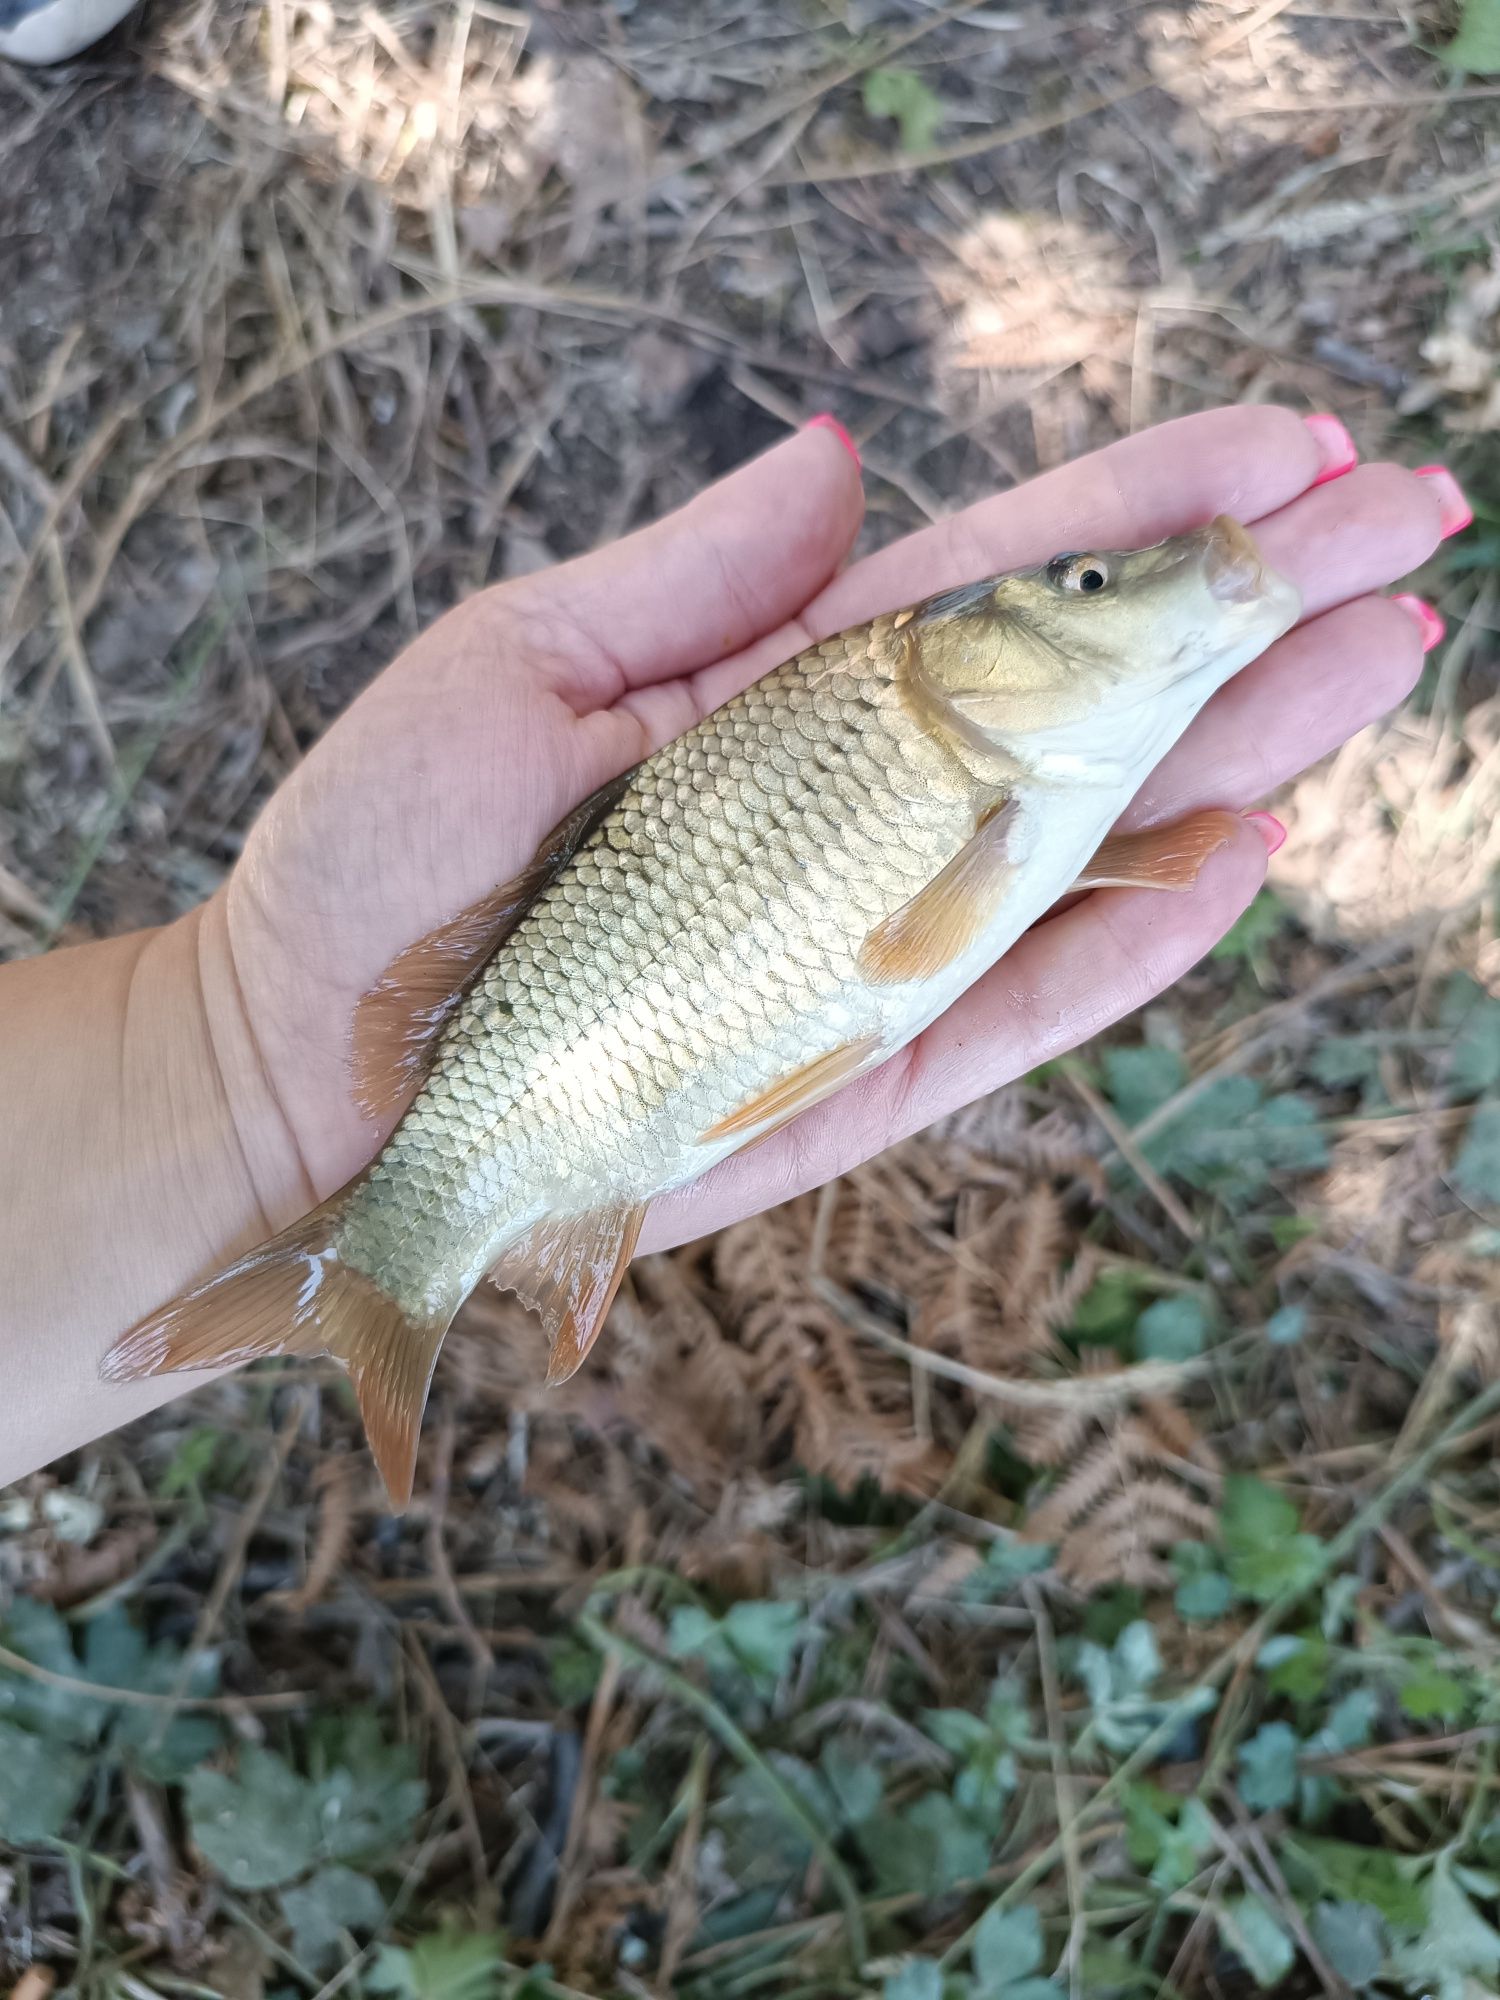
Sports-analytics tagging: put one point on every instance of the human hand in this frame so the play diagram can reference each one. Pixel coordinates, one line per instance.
(444, 775)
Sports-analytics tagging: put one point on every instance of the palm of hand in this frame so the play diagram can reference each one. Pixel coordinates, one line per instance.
(444, 775)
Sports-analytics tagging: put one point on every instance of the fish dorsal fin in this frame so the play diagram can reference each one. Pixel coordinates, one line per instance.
(568, 1272)
(398, 1022)
(1159, 857)
(791, 1095)
(941, 921)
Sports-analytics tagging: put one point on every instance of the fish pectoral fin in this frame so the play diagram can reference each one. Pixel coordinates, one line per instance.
(294, 1295)
(941, 921)
(1159, 857)
(568, 1272)
(759, 1116)
(398, 1022)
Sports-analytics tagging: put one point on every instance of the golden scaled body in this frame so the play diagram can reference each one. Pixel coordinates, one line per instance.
(770, 905)
(702, 944)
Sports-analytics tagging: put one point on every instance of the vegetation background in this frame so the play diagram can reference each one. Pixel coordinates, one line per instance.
(1061, 1558)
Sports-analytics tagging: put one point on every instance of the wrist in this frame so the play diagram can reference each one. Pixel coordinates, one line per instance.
(126, 1179)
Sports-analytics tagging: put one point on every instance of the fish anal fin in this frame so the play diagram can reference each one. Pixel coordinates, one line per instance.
(941, 921)
(791, 1095)
(568, 1271)
(1159, 857)
(398, 1022)
(294, 1295)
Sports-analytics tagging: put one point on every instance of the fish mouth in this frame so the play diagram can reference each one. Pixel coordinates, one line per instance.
(1232, 564)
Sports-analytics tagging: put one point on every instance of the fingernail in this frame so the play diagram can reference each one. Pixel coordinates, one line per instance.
(1454, 512)
(1338, 451)
(1429, 621)
(826, 421)
(1270, 829)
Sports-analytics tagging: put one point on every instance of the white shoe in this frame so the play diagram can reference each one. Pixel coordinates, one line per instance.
(49, 31)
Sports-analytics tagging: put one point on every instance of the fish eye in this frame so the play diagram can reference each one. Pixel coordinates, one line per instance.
(1079, 573)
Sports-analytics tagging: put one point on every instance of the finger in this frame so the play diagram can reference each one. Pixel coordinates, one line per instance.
(1300, 700)
(736, 562)
(1357, 534)
(1246, 461)
(1243, 460)
(1063, 982)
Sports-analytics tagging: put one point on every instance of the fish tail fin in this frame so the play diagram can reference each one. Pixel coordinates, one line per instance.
(294, 1295)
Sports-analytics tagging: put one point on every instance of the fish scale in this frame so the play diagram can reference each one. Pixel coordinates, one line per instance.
(645, 943)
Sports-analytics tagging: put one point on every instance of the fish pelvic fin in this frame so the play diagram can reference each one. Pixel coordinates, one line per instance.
(295, 1295)
(941, 921)
(1160, 857)
(568, 1271)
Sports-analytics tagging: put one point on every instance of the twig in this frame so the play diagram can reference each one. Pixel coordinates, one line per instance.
(234, 1556)
(1145, 1378)
(1130, 1152)
(76, 660)
(1046, 1652)
(583, 1792)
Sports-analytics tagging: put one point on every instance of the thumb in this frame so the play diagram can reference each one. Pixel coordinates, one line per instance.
(733, 564)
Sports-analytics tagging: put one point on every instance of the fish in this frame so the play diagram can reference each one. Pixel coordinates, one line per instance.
(720, 938)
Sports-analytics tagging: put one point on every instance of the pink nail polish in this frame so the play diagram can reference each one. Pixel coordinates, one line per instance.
(1430, 622)
(1338, 451)
(1270, 829)
(826, 421)
(1454, 511)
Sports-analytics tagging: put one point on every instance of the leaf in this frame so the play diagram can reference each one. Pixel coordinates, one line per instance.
(1474, 1059)
(1286, 1326)
(1457, 1940)
(1140, 1080)
(1268, 1767)
(39, 1785)
(115, 1655)
(370, 1796)
(1350, 1721)
(259, 1828)
(1254, 928)
(1296, 1665)
(1476, 1171)
(1109, 1308)
(333, 1902)
(266, 1825)
(855, 1782)
(447, 1965)
(928, 1848)
(763, 1637)
(915, 106)
(1007, 1945)
(1343, 1061)
(755, 1639)
(1351, 1936)
(1344, 1872)
(1006, 1563)
(1266, 1552)
(1203, 1597)
(1476, 46)
(1429, 1695)
(1229, 1140)
(1171, 1330)
(1250, 1930)
(1171, 1850)
(1204, 1591)
(918, 1979)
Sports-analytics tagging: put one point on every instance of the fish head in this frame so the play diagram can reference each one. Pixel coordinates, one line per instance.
(1093, 635)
